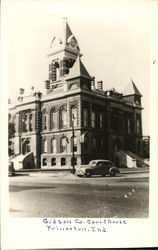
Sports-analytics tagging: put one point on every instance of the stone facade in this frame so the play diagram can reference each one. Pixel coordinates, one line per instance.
(103, 121)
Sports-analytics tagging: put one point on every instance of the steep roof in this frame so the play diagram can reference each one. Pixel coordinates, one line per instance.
(131, 89)
(78, 70)
(68, 31)
(63, 36)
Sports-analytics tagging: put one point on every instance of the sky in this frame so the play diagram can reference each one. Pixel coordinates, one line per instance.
(114, 38)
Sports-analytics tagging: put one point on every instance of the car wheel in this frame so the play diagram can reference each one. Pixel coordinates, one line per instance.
(103, 175)
(88, 174)
(112, 173)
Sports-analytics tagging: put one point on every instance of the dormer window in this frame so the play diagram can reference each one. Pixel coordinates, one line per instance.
(137, 100)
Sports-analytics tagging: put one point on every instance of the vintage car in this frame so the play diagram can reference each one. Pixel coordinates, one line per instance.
(11, 169)
(98, 167)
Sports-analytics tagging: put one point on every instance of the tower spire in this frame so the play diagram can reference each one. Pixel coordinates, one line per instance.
(66, 30)
(63, 53)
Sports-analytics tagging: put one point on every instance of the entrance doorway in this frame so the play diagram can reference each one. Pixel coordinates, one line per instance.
(117, 145)
(26, 147)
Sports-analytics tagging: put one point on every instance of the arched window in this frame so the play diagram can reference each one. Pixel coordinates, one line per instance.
(63, 121)
(63, 161)
(30, 123)
(53, 145)
(53, 119)
(74, 116)
(26, 146)
(44, 162)
(63, 144)
(44, 120)
(53, 162)
(44, 145)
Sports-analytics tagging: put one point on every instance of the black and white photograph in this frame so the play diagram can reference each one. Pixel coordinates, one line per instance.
(79, 77)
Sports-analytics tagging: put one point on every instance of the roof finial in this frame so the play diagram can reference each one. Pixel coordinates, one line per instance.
(64, 18)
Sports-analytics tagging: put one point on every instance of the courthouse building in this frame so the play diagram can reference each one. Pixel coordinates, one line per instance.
(76, 116)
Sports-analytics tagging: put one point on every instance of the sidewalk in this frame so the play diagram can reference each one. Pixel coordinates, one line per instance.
(68, 171)
(134, 170)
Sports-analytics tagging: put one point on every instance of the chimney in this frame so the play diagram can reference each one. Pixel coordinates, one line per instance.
(32, 90)
(21, 91)
(93, 82)
(100, 85)
(47, 84)
(20, 94)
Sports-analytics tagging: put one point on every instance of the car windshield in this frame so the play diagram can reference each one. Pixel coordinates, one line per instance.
(92, 162)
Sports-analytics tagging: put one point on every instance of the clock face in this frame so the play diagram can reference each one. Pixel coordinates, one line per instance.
(72, 43)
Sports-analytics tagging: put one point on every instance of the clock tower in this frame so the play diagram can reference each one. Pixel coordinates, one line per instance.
(63, 53)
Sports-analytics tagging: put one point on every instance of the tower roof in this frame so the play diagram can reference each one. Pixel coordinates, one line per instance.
(62, 40)
(131, 89)
(78, 70)
(67, 31)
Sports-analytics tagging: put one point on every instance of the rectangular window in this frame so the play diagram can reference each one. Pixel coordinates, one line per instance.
(44, 146)
(93, 120)
(101, 120)
(115, 123)
(121, 124)
(75, 144)
(63, 145)
(138, 126)
(85, 118)
(44, 122)
(30, 123)
(128, 126)
(63, 120)
(94, 144)
(24, 123)
(74, 116)
(102, 144)
(53, 120)
(30, 126)
(53, 146)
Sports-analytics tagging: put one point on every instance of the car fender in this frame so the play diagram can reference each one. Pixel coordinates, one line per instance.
(114, 169)
(88, 170)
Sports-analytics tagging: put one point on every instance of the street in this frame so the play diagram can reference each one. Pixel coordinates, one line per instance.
(62, 194)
